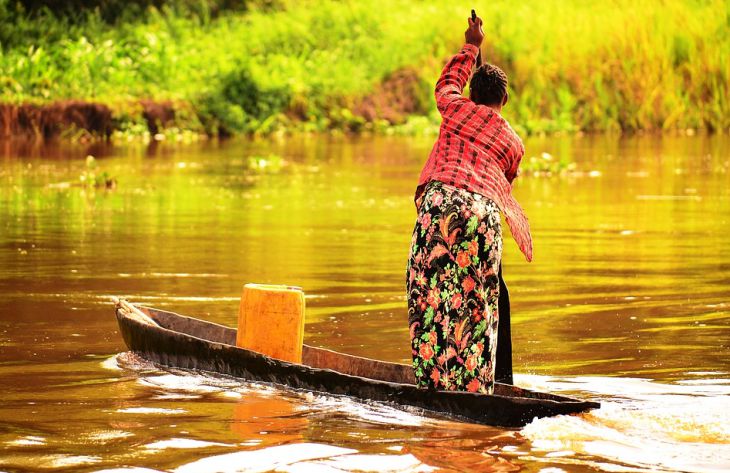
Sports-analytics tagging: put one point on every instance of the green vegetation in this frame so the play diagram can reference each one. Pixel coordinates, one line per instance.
(547, 165)
(94, 177)
(574, 65)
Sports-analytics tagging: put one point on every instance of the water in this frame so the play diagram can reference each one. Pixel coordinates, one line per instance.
(627, 302)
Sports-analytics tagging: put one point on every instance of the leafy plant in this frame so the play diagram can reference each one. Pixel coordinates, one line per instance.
(619, 65)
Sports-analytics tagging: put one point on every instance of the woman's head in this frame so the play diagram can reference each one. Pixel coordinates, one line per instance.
(488, 86)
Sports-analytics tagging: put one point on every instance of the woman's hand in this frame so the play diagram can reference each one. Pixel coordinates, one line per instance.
(474, 34)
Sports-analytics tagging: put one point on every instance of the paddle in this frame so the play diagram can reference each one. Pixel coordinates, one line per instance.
(503, 368)
(479, 54)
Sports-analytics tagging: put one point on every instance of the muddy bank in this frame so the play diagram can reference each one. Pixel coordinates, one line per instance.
(81, 119)
(400, 95)
(397, 97)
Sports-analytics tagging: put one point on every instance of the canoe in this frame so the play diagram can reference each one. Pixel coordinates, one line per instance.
(173, 340)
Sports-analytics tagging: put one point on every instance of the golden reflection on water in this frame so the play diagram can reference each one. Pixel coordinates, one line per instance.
(626, 302)
(276, 418)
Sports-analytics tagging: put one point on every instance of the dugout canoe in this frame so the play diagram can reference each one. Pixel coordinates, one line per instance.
(177, 341)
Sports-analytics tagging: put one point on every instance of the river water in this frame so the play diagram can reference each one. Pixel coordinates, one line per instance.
(627, 302)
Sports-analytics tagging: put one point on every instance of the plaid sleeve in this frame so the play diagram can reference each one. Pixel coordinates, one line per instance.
(450, 85)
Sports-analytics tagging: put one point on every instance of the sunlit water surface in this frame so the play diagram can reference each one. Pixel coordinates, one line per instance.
(627, 302)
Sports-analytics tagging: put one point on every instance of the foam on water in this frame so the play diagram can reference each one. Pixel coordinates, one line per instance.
(150, 410)
(111, 363)
(369, 411)
(182, 443)
(28, 440)
(128, 470)
(361, 462)
(265, 459)
(67, 461)
(642, 425)
(680, 426)
(180, 384)
(305, 457)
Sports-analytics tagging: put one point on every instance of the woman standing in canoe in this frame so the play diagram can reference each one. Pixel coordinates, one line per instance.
(456, 249)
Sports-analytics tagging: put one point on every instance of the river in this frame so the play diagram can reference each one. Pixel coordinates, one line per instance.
(627, 302)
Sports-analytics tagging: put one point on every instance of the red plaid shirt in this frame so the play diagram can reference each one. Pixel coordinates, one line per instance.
(476, 150)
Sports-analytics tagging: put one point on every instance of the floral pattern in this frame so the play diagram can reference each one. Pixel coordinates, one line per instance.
(453, 289)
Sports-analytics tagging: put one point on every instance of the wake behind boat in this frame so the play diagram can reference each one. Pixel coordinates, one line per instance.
(174, 340)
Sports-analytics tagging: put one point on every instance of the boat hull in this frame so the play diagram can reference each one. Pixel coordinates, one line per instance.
(183, 342)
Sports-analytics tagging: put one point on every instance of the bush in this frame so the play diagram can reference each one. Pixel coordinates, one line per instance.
(619, 65)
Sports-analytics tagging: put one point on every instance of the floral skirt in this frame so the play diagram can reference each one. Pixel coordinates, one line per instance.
(453, 289)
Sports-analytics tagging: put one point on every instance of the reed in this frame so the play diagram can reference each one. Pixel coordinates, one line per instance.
(573, 65)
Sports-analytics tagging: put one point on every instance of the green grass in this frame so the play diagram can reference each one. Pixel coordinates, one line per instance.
(573, 65)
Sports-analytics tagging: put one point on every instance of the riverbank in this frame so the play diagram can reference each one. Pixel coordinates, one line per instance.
(355, 66)
(81, 120)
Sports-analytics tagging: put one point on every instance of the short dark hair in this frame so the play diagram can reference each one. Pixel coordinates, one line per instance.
(488, 85)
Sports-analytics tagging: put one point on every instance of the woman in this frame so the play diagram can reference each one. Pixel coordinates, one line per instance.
(456, 249)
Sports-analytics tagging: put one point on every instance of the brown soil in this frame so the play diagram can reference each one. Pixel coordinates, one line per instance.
(158, 115)
(398, 96)
(48, 121)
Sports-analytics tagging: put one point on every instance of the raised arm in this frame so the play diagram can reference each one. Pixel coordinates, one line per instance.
(450, 86)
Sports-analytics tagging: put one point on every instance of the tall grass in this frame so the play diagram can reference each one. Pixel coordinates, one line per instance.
(617, 64)
(573, 65)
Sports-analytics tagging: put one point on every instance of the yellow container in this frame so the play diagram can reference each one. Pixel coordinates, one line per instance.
(271, 321)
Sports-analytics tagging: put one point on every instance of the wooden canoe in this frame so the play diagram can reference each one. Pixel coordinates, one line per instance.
(174, 340)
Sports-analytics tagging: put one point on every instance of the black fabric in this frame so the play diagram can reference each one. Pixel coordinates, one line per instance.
(503, 370)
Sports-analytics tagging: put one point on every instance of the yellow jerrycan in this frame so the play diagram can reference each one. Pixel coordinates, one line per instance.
(271, 321)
